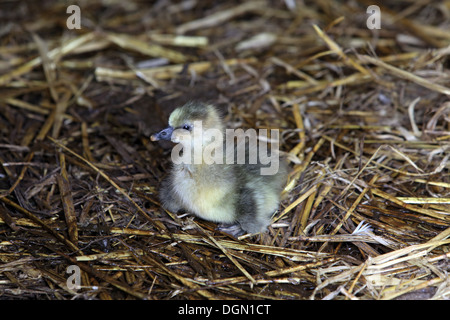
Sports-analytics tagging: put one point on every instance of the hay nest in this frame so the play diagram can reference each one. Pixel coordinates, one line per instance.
(364, 116)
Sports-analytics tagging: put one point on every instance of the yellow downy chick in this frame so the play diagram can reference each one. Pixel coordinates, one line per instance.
(204, 183)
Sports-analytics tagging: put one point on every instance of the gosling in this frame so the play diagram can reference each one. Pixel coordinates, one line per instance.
(237, 196)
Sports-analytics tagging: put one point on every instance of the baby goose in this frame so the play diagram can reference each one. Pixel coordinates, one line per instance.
(235, 195)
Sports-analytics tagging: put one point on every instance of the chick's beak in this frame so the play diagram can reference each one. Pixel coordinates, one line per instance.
(165, 134)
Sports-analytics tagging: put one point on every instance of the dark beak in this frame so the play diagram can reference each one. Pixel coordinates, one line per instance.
(165, 134)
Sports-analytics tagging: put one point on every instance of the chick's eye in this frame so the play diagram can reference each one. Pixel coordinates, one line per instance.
(187, 127)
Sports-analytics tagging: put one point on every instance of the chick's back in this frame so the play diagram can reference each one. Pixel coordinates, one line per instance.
(259, 195)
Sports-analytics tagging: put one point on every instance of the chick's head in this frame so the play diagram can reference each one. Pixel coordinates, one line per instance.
(186, 115)
(193, 124)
